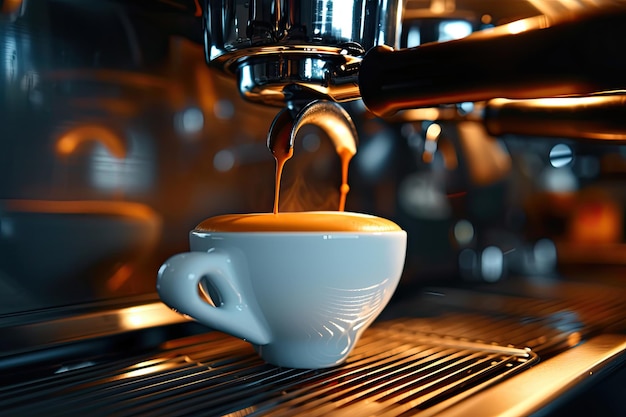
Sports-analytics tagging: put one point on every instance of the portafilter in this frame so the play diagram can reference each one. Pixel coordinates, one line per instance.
(289, 51)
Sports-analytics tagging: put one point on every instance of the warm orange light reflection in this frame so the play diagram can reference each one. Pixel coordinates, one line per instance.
(517, 26)
(433, 131)
(206, 90)
(120, 208)
(596, 219)
(176, 96)
(198, 11)
(11, 6)
(426, 113)
(450, 160)
(441, 6)
(71, 140)
(574, 339)
(430, 145)
(556, 8)
(144, 369)
(120, 277)
(555, 102)
(486, 159)
(116, 106)
(141, 317)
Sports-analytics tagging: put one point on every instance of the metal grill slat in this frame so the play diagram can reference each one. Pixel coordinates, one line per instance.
(372, 374)
(431, 406)
(98, 379)
(148, 396)
(221, 399)
(400, 367)
(406, 385)
(442, 383)
(218, 375)
(314, 380)
(388, 383)
(93, 374)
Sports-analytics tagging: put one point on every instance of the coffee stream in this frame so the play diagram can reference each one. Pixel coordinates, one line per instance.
(280, 142)
(282, 149)
(345, 154)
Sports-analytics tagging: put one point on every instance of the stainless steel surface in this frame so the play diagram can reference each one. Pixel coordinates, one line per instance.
(447, 351)
(297, 50)
(215, 374)
(532, 392)
(333, 119)
(18, 337)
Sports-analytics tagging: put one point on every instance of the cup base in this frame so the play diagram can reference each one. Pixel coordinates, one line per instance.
(302, 355)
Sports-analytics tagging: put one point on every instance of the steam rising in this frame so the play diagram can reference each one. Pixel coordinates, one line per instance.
(303, 196)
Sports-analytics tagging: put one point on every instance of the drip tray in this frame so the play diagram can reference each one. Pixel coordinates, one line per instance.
(394, 369)
(453, 353)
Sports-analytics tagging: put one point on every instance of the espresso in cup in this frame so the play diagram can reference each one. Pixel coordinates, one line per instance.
(300, 287)
(312, 221)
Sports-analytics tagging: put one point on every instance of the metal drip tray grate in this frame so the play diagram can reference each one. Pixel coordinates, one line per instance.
(394, 370)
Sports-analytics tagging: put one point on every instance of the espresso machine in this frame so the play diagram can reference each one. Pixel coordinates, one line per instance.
(491, 131)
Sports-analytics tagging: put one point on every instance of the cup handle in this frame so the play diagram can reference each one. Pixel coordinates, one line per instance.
(178, 286)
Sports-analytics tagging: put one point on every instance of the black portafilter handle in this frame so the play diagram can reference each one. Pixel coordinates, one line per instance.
(531, 58)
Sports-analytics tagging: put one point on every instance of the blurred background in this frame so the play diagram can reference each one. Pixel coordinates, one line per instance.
(116, 139)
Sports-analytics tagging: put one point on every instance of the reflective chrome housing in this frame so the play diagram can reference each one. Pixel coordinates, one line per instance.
(287, 51)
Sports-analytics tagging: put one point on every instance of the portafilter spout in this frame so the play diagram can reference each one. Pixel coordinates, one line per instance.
(302, 55)
(332, 119)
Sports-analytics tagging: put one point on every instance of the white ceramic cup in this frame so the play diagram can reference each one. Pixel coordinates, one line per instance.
(302, 299)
